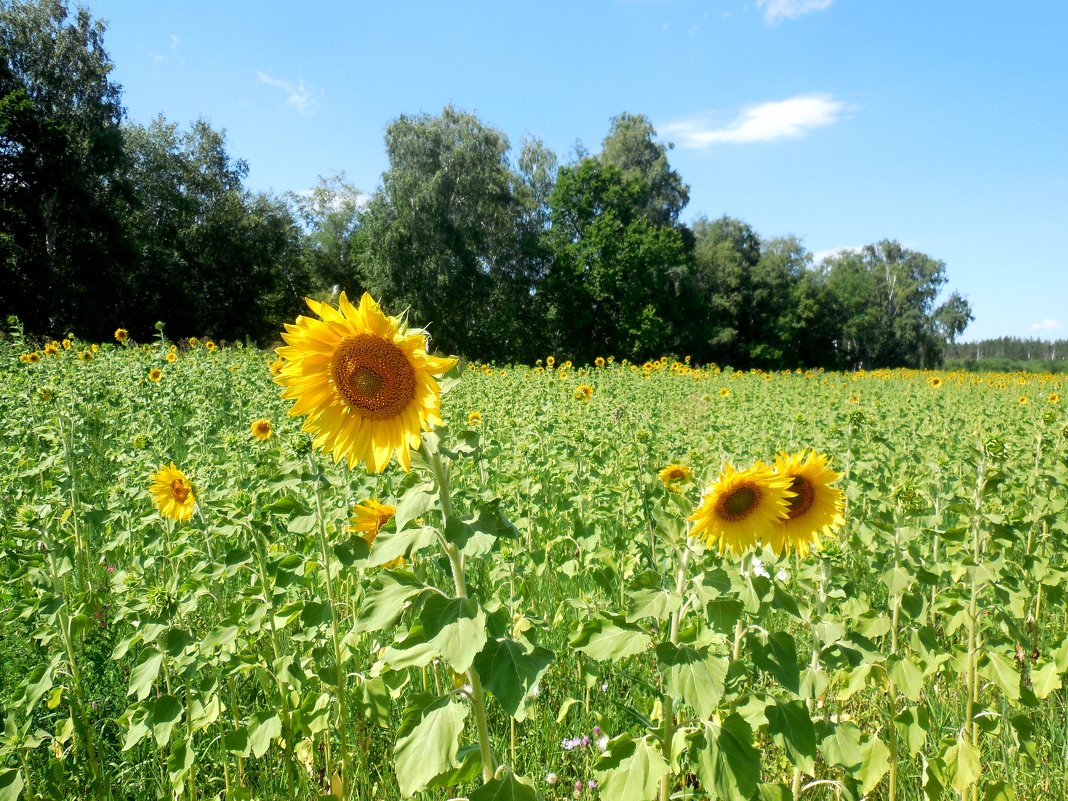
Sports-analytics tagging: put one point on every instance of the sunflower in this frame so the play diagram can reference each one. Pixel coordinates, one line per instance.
(192, 342)
(51, 349)
(86, 355)
(599, 361)
(172, 357)
(1053, 397)
(155, 374)
(741, 507)
(369, 516)
(364, 381)
(854, 398)
(210, 346)
(173, 493)
(1023, 400)
(120, 335)
(815, 507)
(277, 365)
(67, 344)
(936, 382)
(474, 419)
(675, 474)
(724, 392)
(550, 361)
(32, 357)
(583, 392)
(261, 429)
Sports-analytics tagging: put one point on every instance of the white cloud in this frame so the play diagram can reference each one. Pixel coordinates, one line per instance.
(1047, 325)
(819, 255)
(765, 122)
(776, 10)
(299, 96)
(175, 42)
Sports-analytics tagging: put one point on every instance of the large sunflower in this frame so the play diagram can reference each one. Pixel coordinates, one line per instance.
(369, 516)
(173, 493)
(741, 507)
(815, 507)
(364, 380)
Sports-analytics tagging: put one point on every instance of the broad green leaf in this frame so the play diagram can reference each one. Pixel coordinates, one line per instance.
(470, 759)
(508, 670)
(840, 744)
(164, 713)
(654, 602)
(897, 580)
(135, 721)
(775, 792)
(180, 761)
(416, 501)
(962, 765)
(427, 741)
(906, 676)
(727, 761)
(693, 675)
(264, 727)
(456, 627)
(630, 770)
(1001, 670)
(999, 791)
(223, 635)
(144, 673)
(508, 787)
(778, 657)
(236, 742)
(875, 763)
(912, 726)
(10, 784)
(791, 728)
(1046, 680)
(387, 599)
(609, 637)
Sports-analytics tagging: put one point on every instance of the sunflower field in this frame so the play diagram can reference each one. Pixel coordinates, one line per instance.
(354, 569)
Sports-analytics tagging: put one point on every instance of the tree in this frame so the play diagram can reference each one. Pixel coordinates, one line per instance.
(62, 188)
(616, 281)
(439, 236)
(330, 215)
(630, 146)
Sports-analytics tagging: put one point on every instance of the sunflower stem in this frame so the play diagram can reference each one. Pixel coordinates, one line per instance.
(667, 701)
(478, 702)
(339, 665)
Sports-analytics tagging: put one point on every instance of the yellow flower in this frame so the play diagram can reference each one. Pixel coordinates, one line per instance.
(67, 344)
(155, 374)
(364, 381)
(192, 342)
(51, 349)
(583, 392)
(86, 355)
(120, 335)
(936, 382)
(369, 516)
(474, 419)
(172, 357)
(33, 357)
(854, 398)
(675, 474)
(814, 508)
(261, 429)
(1023, 400)
(724, 392)
(563, 375)
(550, 361)
(210, 346)
(599, 361)
(173, 493)
(277, 365)
(1053, 397)
(741, 507)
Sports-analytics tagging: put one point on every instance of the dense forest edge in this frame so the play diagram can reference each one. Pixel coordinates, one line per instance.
(106, 223)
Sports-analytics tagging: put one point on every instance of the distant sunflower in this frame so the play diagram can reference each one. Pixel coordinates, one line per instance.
(369, 516)
(120, 335)
(1053, 397)
(583, 392)
(192, 342)
(85, 355)
(277, 365)
(155, 374)
(741, 507)
(51, 349)
(599, 361)
(474, 419)
(67, 344)
(1023, 400)
(173, 494)
(210, 346)
(261, 429)
(675, 474)
(724, 392)
(364, 381)
(854, 398)
(814, 508)
(172, 357)
(550, 361)
(31, 358)
(935, 382)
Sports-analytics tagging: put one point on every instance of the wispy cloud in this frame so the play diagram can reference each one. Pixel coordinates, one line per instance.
(298, 95)
(765, 122)
(1047, 325)
(819, 255)
(777, 10)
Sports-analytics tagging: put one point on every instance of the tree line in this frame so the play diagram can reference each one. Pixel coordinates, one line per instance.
(510, 255)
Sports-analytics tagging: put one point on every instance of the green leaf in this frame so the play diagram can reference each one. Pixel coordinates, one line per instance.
(386, 600)
(630, 770)
(1046, 680)
(509, 670)
(912, 726)
(223, 635)
(144, 673)
(778, 657)
(470, 767)
(427, 741)
(693, 675)
(791, 728)
(1001, 670)
(416, 501)
(262, 729)
(840, 744)
(727, 762)
(609, 637)
(456, 627)
(999, 791)
(164, 713)
(508, 787)
(180, 761)
(10, 784)
(962, 765)
(906, 676)
(897, 580)
(135, 721)
(875, 763)
(236, 742)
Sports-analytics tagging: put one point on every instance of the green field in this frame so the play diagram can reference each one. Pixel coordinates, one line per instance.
(924, 645)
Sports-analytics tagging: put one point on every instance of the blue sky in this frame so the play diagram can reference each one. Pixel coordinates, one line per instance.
(939, 123)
